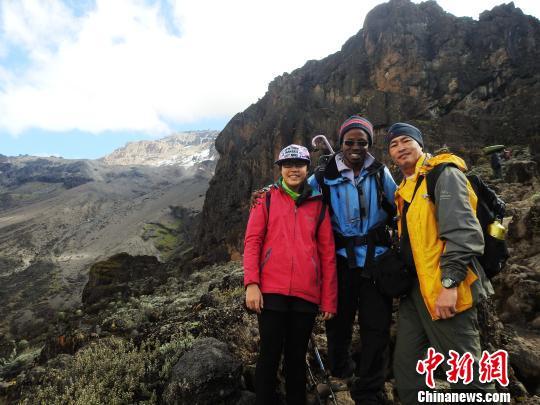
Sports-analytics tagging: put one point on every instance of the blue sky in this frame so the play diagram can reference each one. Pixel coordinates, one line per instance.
(79, 78)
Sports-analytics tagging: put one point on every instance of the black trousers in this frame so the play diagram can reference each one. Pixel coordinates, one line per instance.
(286, 332)
(358, 294)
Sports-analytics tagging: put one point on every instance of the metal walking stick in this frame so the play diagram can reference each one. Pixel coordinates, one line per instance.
(313, 383)
(326, 376)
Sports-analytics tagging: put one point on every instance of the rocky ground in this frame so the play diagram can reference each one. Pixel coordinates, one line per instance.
(149, 332)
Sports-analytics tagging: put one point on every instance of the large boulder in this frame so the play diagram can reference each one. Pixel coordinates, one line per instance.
(520, 171)
(518, 289)
(524, 229)
(122, 275)
(525, 360)
(207, 374)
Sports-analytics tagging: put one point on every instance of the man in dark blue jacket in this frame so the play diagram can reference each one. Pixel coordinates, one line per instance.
(358, 188)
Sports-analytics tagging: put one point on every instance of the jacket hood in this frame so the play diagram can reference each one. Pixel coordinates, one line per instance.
(433, 161)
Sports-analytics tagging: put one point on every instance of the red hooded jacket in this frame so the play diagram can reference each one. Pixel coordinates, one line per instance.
(283, 255)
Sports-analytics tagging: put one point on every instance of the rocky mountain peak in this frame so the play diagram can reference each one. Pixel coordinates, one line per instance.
(502, 11)
(181, 149)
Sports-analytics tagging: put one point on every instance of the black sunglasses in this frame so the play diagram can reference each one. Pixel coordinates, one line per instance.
(361, 143)
(294, 163)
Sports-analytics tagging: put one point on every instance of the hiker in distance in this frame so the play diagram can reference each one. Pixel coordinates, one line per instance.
(289, 274)
(360, 193)
(440, 241)
(495, 161)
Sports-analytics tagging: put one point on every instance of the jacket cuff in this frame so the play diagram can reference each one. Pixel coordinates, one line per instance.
(248, 281)
(457, 275)
(329, 309)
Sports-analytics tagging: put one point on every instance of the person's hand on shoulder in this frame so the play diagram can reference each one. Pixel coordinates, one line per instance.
(256, 196)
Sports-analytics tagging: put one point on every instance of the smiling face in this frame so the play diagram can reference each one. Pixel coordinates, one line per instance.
(354, 147)
(405, 152)
(294, 172)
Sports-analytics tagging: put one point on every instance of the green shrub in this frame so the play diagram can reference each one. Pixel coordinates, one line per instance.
(111, 371)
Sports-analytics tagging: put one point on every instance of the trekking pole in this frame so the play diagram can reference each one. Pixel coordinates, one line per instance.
(326, 379)
(313, 383)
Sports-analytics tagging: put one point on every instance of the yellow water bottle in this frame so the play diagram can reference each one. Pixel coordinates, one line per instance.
(497, 230)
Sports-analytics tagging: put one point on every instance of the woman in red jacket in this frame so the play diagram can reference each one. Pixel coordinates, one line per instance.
(289, 274)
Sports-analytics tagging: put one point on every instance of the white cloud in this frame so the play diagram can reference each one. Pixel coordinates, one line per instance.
(33, 24)
(119, 66)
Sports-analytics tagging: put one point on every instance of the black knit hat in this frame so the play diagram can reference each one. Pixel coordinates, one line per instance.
(355, 121)
(404, 129)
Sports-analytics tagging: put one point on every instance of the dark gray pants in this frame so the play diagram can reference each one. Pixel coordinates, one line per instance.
(357, 294)
(416, 331)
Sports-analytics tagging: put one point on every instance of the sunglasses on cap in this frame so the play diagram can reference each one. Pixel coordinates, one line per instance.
(360, 143)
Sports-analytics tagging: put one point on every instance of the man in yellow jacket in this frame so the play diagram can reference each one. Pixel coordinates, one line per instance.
(439, 243)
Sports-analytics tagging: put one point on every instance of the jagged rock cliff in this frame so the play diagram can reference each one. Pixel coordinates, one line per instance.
(464, 82)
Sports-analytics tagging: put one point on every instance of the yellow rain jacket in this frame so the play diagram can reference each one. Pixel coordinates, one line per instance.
(456, 239)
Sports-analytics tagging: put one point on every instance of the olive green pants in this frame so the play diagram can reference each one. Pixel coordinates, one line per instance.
(416, 331)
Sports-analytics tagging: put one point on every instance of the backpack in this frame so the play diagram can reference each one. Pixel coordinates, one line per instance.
(489, 208)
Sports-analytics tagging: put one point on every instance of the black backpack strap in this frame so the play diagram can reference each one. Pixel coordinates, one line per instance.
(268, 200)
(404, 240)
(325, 189)
(377, 169)
(487, 197)
(382, 198)
(433, 176)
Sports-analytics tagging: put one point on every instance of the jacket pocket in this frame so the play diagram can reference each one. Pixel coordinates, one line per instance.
(266, 258)
(316, 269)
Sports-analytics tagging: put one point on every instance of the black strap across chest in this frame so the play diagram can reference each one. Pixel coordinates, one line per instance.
(404, 240)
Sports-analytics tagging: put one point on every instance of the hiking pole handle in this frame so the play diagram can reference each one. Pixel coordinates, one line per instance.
(322, 138)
